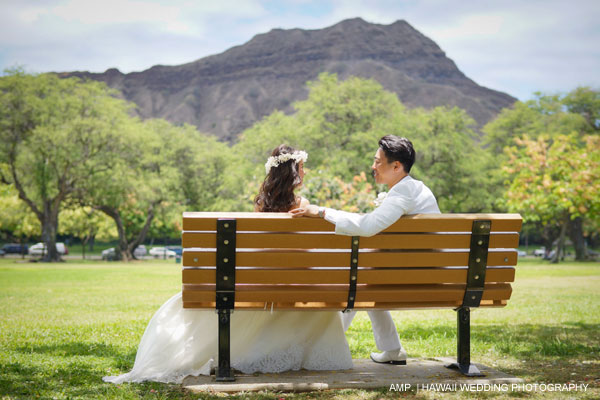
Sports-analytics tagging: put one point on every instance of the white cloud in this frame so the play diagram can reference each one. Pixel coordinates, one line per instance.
(475, 26)
(531, 45)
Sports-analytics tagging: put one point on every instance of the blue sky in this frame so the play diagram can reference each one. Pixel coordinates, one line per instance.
(516, 46)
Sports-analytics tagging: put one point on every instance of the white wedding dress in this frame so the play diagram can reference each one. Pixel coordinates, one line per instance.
(179, 342)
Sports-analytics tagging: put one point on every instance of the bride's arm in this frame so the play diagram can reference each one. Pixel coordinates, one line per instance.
(303, 203)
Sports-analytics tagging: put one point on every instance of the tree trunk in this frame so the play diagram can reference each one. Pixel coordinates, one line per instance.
(576, 235)
(561, 241)
(142, 235)
(23, 252)
(49, 228)
(83, 244)
(123, 252)
(48, 216)
(548, 237)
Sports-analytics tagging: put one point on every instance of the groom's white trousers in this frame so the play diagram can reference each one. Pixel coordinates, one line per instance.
(384, 330)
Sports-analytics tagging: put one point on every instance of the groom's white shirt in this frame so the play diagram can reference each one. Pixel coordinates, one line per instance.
(409, 196)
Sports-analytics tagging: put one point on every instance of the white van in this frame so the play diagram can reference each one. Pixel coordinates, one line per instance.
(39, 249)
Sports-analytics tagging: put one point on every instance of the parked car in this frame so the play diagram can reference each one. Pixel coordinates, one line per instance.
(110, 253)
(177, 249)
(2, 253)
(521, 253)
(39, 249)
(539, 252)
(161, 252)
(15, 248)
(140, 251)
(550, 255)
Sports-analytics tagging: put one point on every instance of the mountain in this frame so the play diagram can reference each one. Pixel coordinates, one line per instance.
(226, 93)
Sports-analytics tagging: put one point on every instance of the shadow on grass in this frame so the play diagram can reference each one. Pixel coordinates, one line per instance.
(76, 379)
(535, 341)
(532, 341)
(73, 370)
(73, 349)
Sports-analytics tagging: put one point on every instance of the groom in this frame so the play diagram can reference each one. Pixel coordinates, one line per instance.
(393, 161)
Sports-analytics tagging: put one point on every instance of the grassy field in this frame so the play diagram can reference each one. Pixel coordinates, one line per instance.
(64, 326)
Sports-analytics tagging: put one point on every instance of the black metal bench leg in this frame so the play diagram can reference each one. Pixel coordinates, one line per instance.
(463, 338)
(224, 371)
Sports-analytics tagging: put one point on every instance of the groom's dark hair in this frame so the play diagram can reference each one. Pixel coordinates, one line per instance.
(398, 148)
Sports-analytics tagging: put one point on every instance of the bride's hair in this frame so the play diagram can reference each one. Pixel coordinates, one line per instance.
(276, 193)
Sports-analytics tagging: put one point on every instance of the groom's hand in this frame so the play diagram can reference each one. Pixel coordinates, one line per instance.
(309, 211)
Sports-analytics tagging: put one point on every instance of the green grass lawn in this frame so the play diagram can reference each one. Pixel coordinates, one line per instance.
(63, 326)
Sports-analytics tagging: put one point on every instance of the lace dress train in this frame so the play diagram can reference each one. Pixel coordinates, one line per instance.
(179, 342)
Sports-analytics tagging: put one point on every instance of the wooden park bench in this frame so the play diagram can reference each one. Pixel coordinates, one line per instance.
(245, 261)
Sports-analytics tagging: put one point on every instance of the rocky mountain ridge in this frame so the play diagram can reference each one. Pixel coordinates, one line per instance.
(224, 94)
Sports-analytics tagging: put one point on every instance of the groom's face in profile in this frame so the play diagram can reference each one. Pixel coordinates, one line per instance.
(385, 172)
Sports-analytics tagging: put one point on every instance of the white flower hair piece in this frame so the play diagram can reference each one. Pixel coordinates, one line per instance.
(297, 156)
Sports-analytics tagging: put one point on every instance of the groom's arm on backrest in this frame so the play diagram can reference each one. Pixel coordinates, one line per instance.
(353, 224)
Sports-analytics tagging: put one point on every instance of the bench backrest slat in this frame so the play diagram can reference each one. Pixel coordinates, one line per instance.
(316, 240)
(289, 259)
(278, 222)
(340, 276)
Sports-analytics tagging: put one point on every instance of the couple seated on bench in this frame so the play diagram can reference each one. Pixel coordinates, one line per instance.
(179, 342)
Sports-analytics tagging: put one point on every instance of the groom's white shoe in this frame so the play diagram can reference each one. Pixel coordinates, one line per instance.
(395, 357)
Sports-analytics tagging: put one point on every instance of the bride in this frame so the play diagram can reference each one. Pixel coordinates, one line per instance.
(179, 342)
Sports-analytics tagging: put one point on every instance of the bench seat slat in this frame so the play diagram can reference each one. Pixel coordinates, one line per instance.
(277, 222)
(332, 306)
(330, 240)
(341, 276)
(307, 259)
(364, 293)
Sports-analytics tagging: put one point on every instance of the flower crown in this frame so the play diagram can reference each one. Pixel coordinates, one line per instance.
(273, 161)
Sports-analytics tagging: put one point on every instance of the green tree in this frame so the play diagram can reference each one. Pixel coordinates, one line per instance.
(56, 134)
(86, 224)
(335, 124)
(585, 101)
(339, 125)
(450, 160)
(550, 116)
(17, 221)
(554, 181)
(358, 195)
(172, 169)
(135, 187)
(543, 115)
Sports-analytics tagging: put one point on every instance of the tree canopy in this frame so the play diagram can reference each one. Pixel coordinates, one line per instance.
(550, 164)
(56, 135)
(339, 125)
